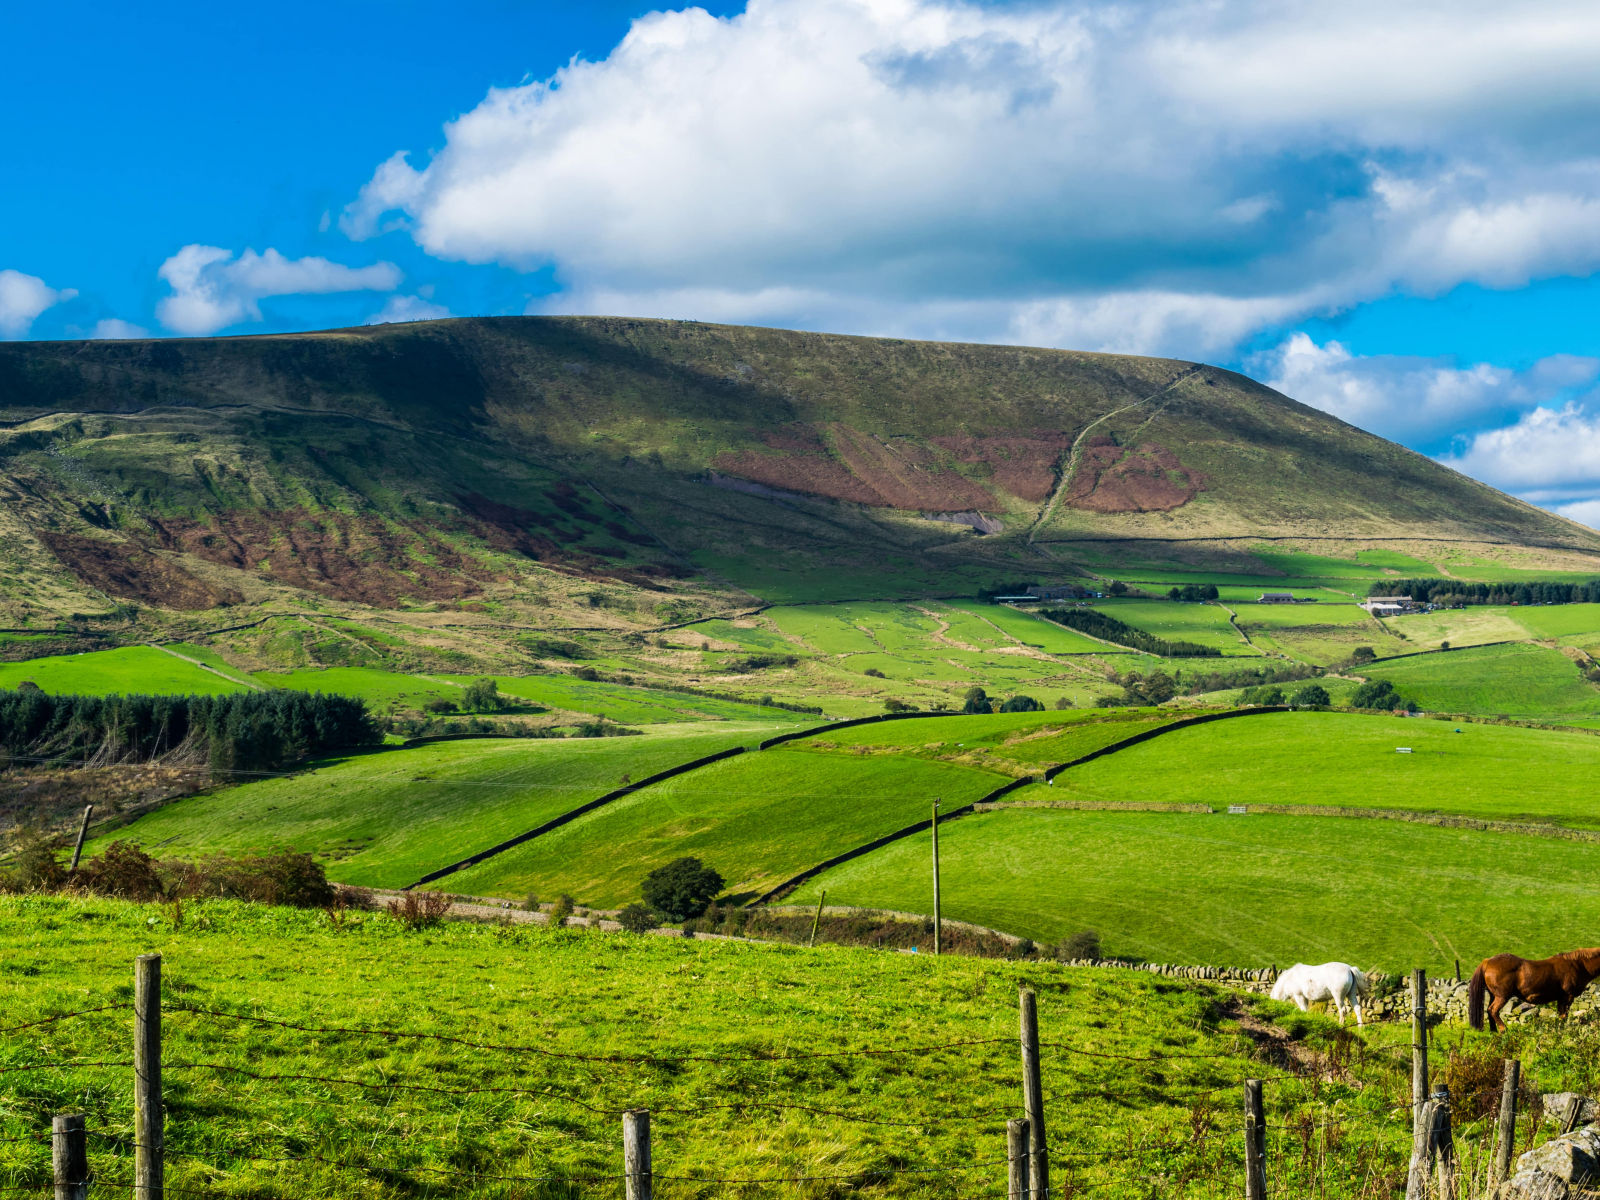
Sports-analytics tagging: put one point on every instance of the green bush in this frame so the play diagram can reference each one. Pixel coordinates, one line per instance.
(638, 918)
(977, 701)
(1018, 704)
(1313, 695)
(682, 889)
(1063, 702)
(1379, 694)
(439, 705)
(1085, 944)
(898, 706)
(483, 695)
(560, 911)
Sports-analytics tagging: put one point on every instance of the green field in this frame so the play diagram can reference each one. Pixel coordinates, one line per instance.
(911, 1100)
(1246, 890)
(1557, 620)
(1031, 630)
(385, 818)
(129, 669)
(1204, 624)
(756, 819)
(1517, 680)
(1492, 771)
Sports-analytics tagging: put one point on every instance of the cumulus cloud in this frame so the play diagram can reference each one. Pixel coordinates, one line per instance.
(211, 289)
(24, 297)
(1147, 176)
(1550, 455)
(1412, 399)
(114, 328)
(407, 308)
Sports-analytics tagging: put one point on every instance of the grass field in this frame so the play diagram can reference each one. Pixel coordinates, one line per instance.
(756, 819)
(1491, 771)
(1556, 620)
(1031, 630)
(1204, 624)
(719, 1021)
(129, 669)
(1248, 890)
(1516, 680)
(384, 819)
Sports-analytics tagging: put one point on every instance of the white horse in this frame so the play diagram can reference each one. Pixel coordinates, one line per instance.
(1336, 981)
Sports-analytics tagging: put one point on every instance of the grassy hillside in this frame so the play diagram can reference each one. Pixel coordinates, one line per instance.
(1251, 890)
(1492, 771)
(1516, 680)
(920, 1076)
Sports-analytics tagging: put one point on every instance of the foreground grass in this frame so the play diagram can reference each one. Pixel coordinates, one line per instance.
(1493, 771)
(384, 819)
(341, 1113)
(1243, 891)
(1518, 680)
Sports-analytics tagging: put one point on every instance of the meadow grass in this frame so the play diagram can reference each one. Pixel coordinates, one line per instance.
(979, 729)
(125, 670)
(831, 629)
(631, 705)
(701, 1032)
(386, 818)
(1204, 624)
(1490, 771)
(1472, 626)
(1299, 616)
(1243, 890)
(1556, 620)
(756, 819)
(1518, 680)
(1032, 630)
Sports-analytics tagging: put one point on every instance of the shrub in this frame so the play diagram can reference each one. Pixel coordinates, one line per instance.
(1111, 702)
(977, 701)
(439, 705)
(530, 903)
(483, 695)
(1378, 693)
(1118, 588)
(587, 674)
(682, 889)
(1021, 704)
(1262, 695)
(359, 898)
(1085, 944)
(287, 877)
(420, 910)
(1025, 948)
(636, 918)
(1362, 654)
(875, 673)
(1063, 702)
(38, 868)
(124, 871)
(898, 706)
(1313, 695)
(560, 911)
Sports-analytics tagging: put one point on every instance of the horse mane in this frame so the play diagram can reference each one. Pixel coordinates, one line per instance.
(1587, 954)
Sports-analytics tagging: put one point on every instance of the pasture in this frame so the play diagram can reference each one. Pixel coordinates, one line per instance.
(1204, 624)
(724, 1023)
(385, 818)
(1518, 680)
(757, 819)
(1494, 772)
(1033, 631)
(124, 670)
(1242, 890)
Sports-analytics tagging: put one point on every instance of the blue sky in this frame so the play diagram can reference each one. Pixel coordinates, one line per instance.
(1392, 215)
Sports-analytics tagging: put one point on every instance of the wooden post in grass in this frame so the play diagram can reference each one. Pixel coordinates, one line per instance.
(1508, 1119)
(1017, 1159)
(148, 1122)
(1458, 970)
(636, 1154)
(1444, 1146)
(1419, 1041)
(817, 920)
(69, 1152)
(77, 850)
(1033, 1098)
(1255, 1142)
(938, 924)
(1422, 1148)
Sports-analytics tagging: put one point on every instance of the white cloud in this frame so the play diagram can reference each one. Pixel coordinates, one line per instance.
(918, 162)
(212, 290)
(24, 297)
(114, 328)
(407, 308)
(1413, 399)
(1584, 512)
(1549, 455)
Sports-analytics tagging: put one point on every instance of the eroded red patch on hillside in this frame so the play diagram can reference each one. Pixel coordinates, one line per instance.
(1127, 479)
(1024, 465)
(130, 572)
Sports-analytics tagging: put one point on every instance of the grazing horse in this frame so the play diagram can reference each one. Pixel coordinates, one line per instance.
(1336, 981)
(1560, 978)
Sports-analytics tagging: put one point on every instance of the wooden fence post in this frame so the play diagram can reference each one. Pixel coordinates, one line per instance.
(1508, 1119)
(69, 1152)
(938, 923)
(148, 1119)
(1033, 1098)
(77, 850)
(1422, 1144)
(636, 1154)
(1444, 1145)
(817, 920)
(1255, 1142)
(1419, 1042)
(1017, 1159)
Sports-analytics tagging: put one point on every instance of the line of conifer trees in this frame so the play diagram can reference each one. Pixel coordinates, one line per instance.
(250, 731)
(1097, 624)
(1457, 591)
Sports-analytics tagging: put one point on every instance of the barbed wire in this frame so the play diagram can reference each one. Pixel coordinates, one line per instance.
(82, 1012)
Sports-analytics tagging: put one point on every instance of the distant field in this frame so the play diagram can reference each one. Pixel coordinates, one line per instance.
(1517, 680)
(1291, 616)
(1034, 631)
(383, 819)
(757, 819)
(1249, 890)
(129, 669)
(1472, 626)
(1205, 624)
(1557, 620)
(1493, 771)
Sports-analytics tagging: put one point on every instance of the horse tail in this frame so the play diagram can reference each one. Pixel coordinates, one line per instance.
(1475, 999)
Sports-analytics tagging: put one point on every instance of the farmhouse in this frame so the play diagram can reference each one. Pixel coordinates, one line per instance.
(1276, 598)
(1388, 606)
(1067, 591)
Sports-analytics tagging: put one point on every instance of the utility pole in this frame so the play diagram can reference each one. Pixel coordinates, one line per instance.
(938, 924)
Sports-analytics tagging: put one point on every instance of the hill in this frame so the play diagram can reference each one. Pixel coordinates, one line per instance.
(637, 469)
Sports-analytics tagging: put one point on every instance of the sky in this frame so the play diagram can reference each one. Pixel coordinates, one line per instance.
(1390, 212)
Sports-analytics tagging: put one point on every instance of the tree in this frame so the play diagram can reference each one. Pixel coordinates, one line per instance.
(439, 705)
(483, 695)
(1362, 654)
(637, 918)
(1379, 693)
(898, 706)
(1063, 702)
(1444, 645)
(1021, 704)
(682, 889)
(977, 701)
(1313, 695)
(1118, 588)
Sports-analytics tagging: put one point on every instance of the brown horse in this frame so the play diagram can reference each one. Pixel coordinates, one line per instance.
(1560, 978)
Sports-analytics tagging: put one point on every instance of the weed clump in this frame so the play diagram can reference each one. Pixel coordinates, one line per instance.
(638, 918)
(420, 910)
